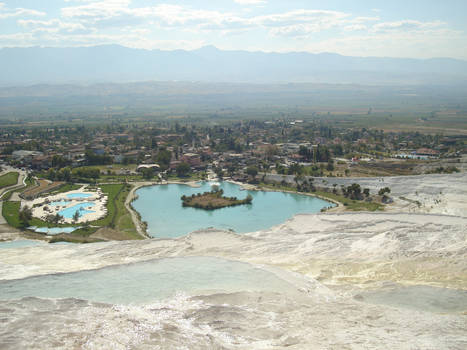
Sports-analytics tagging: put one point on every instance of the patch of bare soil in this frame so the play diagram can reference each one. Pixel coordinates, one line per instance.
(109, 234)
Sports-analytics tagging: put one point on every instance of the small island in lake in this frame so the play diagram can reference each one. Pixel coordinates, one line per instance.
(213, 200)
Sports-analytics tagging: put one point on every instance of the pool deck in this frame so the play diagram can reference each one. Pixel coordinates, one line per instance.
(41, 207)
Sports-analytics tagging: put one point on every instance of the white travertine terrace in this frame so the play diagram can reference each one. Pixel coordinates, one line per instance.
(331, 258)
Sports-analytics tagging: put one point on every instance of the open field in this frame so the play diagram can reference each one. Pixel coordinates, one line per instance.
(9, 179)
(430, 123)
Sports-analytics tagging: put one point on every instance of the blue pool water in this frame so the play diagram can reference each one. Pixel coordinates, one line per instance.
(79, 195)
(160, 206)
(53, 230)
(147, 281)
(19, 244)
(59, 203)
(69, 212)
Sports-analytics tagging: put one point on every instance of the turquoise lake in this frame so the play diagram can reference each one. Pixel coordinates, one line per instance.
(160, 206)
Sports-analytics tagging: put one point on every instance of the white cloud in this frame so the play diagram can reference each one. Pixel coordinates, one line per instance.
(54, 26)
(17, 39)
(395, 44)
(406, 25)
(354, 27)
(103, 9)
(250, 2)
(17, 12)
(88, 22)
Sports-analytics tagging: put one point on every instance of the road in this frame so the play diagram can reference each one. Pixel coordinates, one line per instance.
(19, 184)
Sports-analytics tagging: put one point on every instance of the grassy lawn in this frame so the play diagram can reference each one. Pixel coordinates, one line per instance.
(117, 216)
(10, 211)
(9, 179)
(119, 178)
(351, 204)
(124, 222)
(112, 192)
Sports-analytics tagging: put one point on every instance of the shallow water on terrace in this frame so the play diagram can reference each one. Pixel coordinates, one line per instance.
(422, 298)
(53, 230)
(160, 206)
(148, 281)
(19, 244)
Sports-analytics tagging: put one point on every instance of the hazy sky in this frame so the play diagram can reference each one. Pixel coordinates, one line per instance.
(397, 28)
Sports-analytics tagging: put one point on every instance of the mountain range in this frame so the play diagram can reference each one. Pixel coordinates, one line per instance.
(113, 63)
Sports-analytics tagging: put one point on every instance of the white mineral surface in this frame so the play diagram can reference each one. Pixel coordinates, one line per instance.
(384, 280)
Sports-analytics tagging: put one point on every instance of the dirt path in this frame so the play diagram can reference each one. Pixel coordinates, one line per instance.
(134, 216)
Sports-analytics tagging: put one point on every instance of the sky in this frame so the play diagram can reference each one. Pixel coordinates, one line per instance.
(396, 28)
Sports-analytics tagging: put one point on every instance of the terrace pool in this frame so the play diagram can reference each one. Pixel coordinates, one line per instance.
(53, 230)
(421, 298)
(148, 281)
(23, 243)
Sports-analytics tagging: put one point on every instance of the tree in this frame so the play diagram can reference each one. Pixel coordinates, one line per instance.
(183, 169)
(219, 172)
(305, 153)
(163, 159)
(94, 159)
(354, 191)
(384, 190)
(252, 171)
(76, 216)
(295, 168)
(57, 218)
(148, 173)
(25, 215)
(366, 192)
(59, 161)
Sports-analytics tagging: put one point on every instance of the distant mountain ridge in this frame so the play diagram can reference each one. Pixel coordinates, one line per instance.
(113, 63)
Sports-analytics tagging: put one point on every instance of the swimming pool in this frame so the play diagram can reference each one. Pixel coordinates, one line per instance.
(82, 208)
(79, 195)
(59, 203)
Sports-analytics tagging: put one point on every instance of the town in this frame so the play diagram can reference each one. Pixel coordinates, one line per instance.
(238, 150)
